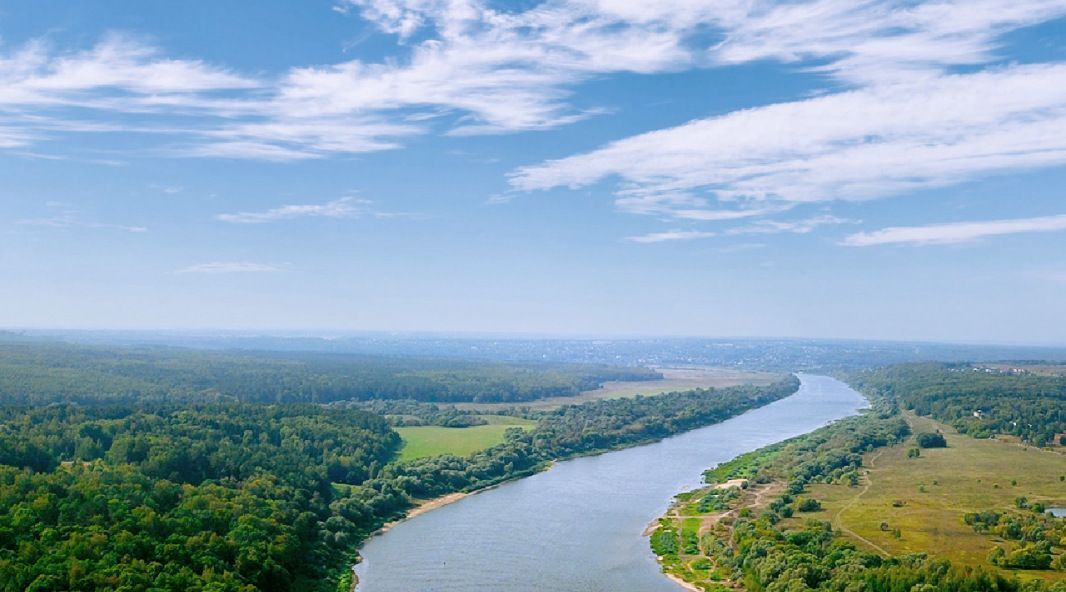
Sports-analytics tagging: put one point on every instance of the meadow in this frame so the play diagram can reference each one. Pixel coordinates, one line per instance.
(895, 500)
(426, 441)
(923, 500)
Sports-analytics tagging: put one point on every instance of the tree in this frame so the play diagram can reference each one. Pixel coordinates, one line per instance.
(931, 440)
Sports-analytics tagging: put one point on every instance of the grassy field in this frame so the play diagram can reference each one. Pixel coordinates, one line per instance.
(925, 498)
(423, 441)
(921, 501)
(674, 379)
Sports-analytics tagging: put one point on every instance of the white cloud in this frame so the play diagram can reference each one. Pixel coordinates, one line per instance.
(803, 226)
(471, 66)
(346, 207)
(853, 145)
(498, 70)
(69, 219)
(222, 267)
(868, 41)
(132, 74)
(670, 235)
(956, 232)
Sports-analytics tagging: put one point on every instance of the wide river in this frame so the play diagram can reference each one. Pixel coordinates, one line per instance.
(577, 527)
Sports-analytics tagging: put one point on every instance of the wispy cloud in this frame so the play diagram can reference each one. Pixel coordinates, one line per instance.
(119, 73)
(346, 207)
(854, 145)
(167, 189)
(223, 267)
(70, 219)
(670, 235)
(955, 232)
(876, 41)
(1055, 276)
(466, 66)
(802, 226)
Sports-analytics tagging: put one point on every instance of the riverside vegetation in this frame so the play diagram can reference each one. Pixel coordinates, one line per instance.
(890, 500)
(170, 491)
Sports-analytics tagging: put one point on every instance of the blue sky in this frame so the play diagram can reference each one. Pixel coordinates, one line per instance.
(828, 168)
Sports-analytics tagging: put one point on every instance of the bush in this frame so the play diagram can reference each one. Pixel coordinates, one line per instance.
(931, 440)
(809, 505)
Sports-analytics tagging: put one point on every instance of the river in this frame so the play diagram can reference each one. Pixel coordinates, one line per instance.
(577, 527)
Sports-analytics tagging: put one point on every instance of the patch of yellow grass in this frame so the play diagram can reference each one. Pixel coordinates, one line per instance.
(926, 497)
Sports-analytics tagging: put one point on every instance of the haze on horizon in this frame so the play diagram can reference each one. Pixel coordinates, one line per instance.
(885, 169)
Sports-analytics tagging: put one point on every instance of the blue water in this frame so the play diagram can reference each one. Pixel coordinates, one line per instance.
(577, 527)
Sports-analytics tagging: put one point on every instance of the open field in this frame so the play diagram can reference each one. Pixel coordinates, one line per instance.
(900, 505)
(926, 497)
(674, 379)
(423, 441)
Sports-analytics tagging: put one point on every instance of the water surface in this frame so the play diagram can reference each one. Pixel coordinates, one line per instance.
(577, 527)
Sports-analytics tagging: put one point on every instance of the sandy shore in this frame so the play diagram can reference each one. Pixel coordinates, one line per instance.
(651, 527)
(683, 583)
(422, 508)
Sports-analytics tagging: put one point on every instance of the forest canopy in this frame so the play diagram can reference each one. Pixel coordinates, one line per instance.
(41, 372)
(977, 401)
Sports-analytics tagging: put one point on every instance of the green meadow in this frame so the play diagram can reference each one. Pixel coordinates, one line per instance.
(423, 441)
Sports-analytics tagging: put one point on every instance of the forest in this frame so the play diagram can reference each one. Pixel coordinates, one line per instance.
(36, 371)
(974, 400)
(174, 493)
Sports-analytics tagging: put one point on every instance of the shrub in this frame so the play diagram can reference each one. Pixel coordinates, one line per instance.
(931, 440)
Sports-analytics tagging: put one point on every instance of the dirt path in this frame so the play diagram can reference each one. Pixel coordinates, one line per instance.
(839, 523)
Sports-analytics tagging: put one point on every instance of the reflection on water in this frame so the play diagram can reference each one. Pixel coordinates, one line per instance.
(576, 528)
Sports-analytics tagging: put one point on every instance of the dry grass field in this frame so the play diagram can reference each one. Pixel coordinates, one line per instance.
(674, 379)
(926, 497)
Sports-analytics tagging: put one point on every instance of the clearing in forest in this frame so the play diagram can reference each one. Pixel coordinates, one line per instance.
(423, 441)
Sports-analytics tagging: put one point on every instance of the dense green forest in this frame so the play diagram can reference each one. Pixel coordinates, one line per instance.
(228, 496)
(40, 372)
(216, 497)
(975, 401)
(405, 412)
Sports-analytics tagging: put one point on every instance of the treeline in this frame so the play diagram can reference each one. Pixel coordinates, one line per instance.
(237, 497)
(757, 552)
(403, 412)
(39, 372)
(976, 402)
